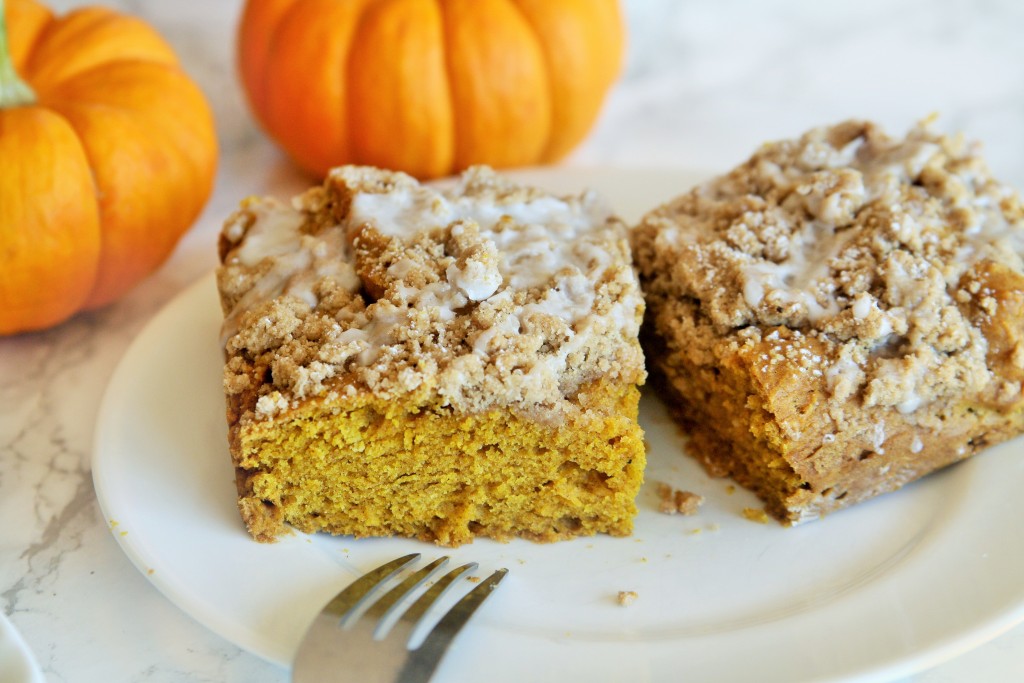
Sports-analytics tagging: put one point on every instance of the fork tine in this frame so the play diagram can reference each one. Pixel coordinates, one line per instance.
(338, 641)
(435, 593)
(366, 586)
(423, 660)
(385, 606)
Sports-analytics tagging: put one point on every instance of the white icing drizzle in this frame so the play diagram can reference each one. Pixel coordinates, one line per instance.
(535, 238)
(796, 279)
(540, 242)
(843, 370)
(924, 210)
(878, 438)
(297, 260)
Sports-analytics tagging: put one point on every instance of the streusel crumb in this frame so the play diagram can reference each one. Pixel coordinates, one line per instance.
(627, 598)
(855, 242)
(673, 501)
(489, 294)
(756, 515)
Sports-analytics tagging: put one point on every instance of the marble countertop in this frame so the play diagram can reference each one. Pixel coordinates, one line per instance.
(704, 84)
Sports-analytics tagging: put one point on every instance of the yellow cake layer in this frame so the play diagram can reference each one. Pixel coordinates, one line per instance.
(770, 429)
(363, 466)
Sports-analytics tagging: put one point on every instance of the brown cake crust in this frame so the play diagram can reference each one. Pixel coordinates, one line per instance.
(840, 315)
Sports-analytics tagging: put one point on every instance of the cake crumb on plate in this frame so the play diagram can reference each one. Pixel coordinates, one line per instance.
(674, 501)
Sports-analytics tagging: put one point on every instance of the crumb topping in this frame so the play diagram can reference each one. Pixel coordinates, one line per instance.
(756, 515)
(674, 501)
(485, 294)
(884, 267)
(626, 598)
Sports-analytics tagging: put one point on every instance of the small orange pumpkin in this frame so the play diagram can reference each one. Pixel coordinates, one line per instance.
(428, 86)
(107, 155)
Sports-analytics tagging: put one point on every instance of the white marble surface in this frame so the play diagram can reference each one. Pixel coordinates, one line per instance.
(705, 83)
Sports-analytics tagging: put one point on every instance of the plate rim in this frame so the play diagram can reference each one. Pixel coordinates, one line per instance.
(13, 644)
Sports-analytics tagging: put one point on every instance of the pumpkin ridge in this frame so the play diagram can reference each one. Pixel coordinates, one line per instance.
(253, 49)
(456, 128)
(403, 120)
(102, 257)
(111, 164)
(178, 142)
(345, 70)
(48, 98)
(582, 44)
(14, 91)
(498, 82)
(66, 260)
(27, 48)
(310, 126)
(89, 30)
(449, 70)
(497, 99)
(41, 39)
(548, 66)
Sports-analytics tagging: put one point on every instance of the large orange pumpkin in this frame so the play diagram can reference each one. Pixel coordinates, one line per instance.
(107, 155)
(428, 86)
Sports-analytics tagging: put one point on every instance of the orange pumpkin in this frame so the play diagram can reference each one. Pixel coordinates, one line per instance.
(107, 155)
(428, 86)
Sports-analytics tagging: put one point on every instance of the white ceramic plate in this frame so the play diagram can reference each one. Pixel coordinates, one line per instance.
(893, 586)
(17, 664)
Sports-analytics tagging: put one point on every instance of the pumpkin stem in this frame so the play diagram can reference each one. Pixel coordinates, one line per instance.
(14, 92)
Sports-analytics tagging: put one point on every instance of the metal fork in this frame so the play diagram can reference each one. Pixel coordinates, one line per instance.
(348, 643)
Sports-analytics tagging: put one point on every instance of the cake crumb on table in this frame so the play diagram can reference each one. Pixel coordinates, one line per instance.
(626, 598)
